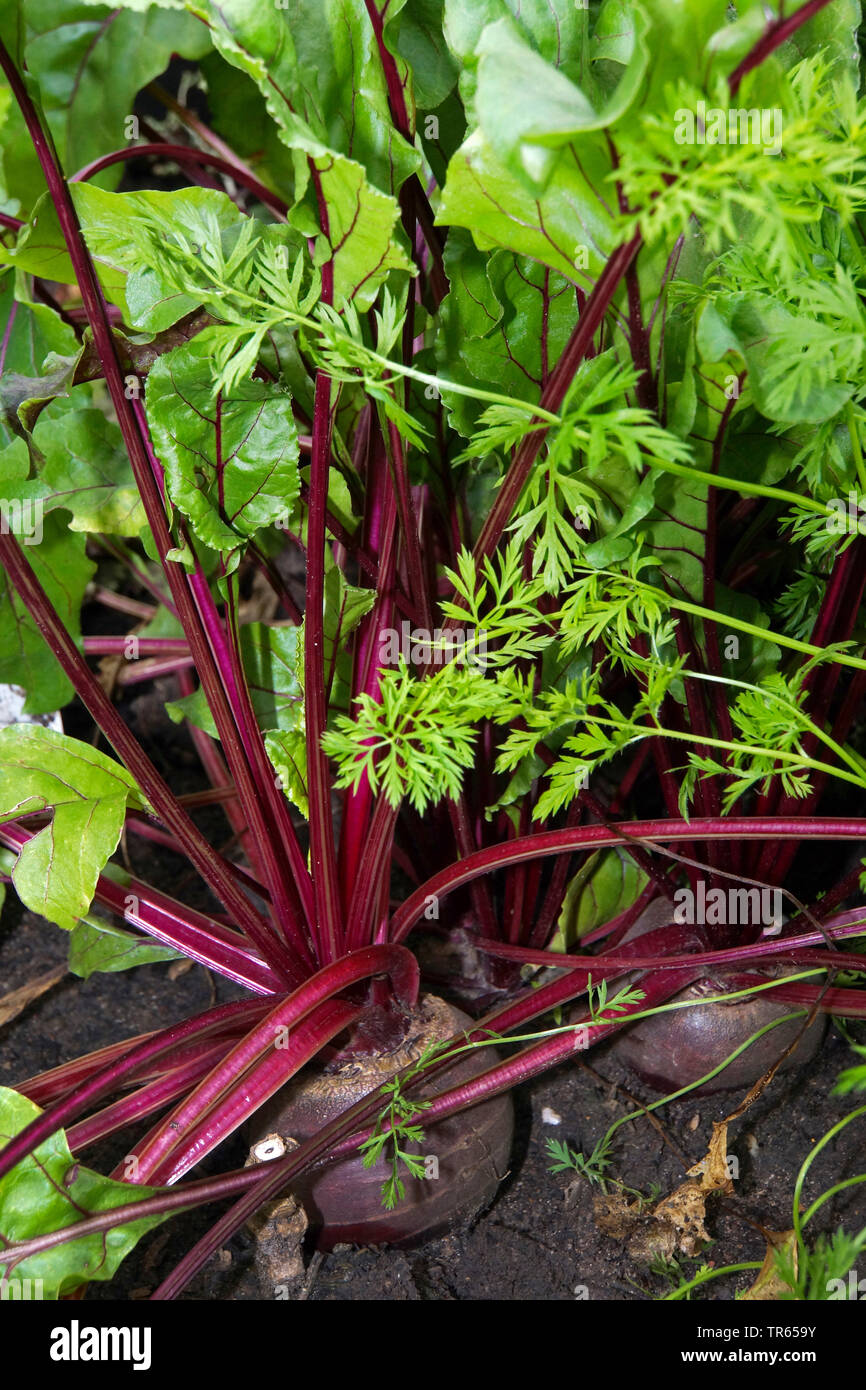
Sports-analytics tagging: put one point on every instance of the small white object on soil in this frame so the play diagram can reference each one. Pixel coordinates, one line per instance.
(550, 1117)
(12, 701)
(271, 1147)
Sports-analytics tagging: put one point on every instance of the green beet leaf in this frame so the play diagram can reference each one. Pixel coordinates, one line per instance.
(60, 564)
(41, 250)
(318, 67)
(272, 658)
(319, 70)
(528, 135)
(607, 885)
(287, 750)
(48, 1191)
(97, 946)
(82, 468)
(89, 63)
(504, 322)
(87, 792)
(231, 461)
(33, 331)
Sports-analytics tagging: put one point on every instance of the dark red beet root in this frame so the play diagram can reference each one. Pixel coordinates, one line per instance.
(343, 1201)
(453, 965)
(672, 1050)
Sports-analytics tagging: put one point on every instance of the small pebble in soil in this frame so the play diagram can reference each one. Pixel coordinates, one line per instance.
(694, 1122)
(550, 1117)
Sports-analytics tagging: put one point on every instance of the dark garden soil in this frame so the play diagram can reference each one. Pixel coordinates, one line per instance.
(539, 1239)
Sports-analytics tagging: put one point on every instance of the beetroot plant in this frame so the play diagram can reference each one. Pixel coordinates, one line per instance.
(461, 405)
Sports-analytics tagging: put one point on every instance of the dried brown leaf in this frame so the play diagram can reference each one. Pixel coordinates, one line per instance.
(109, 670)
(180, 967)
(13, 1003)
(768, 1286)
(677, 1221)
(614, 1214)
(713, 1168)
(653, 1241)
(684, 1211)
